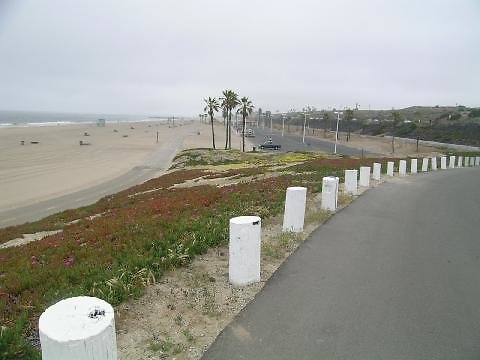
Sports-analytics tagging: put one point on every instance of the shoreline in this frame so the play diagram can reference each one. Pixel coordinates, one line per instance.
(9, 125)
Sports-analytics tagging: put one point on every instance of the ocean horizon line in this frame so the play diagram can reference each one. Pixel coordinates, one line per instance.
(14, 118)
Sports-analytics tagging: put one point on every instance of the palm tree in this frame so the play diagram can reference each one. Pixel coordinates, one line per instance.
(211, 108)
(246, 108)
(224, 106)
(229, 102)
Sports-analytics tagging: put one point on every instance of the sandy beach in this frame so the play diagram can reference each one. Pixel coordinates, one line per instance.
(59, 165)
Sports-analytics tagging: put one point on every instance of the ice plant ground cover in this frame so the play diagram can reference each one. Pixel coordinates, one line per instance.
(116, 247)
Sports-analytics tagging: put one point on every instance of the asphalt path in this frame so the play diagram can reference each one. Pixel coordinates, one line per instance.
(293, 142)
(154, 165)
(393, 276)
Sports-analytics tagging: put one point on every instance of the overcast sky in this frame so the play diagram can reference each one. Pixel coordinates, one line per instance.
(165, 56)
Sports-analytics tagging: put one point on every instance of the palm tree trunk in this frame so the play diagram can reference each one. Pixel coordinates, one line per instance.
(243, 133)
(213, 133)
(230, 130)
(226, 133)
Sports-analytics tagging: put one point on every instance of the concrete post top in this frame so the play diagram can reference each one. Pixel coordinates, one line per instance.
(364, 167)
(242, 220)
(76, 319)
(330, 178)
(297, 188)
(352, 171)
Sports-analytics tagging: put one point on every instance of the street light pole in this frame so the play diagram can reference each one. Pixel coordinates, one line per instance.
(336, 132)
(304, 124)
(283, 124)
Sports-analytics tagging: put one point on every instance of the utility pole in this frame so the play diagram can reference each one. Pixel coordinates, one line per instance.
(304, 125)
(283, 124)
(336, 132)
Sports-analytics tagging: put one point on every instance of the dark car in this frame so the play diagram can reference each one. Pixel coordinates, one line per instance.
(270, 145)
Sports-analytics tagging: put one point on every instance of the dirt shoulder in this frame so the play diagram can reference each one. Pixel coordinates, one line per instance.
(374, 144)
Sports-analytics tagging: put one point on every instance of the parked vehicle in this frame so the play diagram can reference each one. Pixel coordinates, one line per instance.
(249, 133)
(269, 144)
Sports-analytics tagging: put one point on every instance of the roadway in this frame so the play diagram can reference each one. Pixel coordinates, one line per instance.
(392, 276)
(293, 142)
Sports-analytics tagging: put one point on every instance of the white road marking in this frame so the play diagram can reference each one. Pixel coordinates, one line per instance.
(50, 208)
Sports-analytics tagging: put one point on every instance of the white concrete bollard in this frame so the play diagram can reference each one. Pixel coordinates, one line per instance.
(390, 168)
(467, 161)
(460, 161)
(351, 182)
(329, 193)
(472, 161)
(294, 215)
(452, 162)
(402, 168)
(244, 250)
(425, 165)
(414, 166)
(477, 161)
(434, 163)
(80, 328)
(364, 176)
(377, 170)
(443, 162)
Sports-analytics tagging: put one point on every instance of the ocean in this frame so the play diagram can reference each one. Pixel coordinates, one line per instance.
(38, 118)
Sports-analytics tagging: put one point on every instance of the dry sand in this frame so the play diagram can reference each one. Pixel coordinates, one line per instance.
(58, 165)
(382, 145)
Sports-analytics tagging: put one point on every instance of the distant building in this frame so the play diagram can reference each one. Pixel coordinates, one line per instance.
(101, 122)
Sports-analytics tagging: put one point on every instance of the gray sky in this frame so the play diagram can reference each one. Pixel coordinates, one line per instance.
(165, 56)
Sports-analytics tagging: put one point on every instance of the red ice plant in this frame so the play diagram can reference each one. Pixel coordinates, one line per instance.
(68, 262)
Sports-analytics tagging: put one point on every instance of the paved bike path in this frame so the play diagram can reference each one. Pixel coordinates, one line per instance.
(396, 275)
